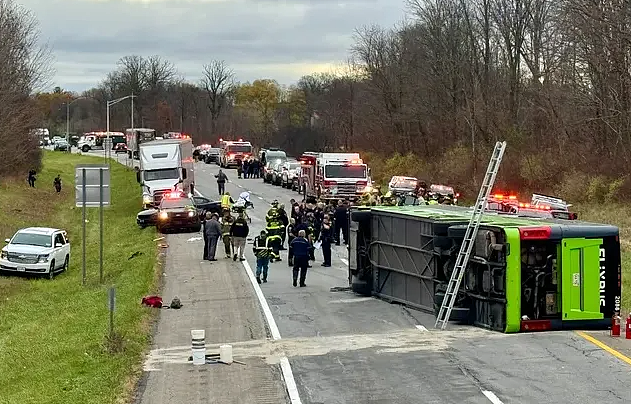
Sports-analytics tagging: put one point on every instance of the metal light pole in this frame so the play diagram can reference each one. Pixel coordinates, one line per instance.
(113, 102)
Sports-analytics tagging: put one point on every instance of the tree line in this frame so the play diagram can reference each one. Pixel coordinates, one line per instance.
(428, 97)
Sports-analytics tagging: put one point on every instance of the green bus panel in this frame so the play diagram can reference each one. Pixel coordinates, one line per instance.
(580, 277)
(513, 280)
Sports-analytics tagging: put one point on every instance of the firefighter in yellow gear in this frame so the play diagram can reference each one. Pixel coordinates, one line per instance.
(226, 201)
(388, 200)
(274, 230)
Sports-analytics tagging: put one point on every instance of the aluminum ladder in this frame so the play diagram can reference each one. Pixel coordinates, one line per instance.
(469, 238)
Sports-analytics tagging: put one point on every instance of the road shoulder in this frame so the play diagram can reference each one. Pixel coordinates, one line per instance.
(217, 297)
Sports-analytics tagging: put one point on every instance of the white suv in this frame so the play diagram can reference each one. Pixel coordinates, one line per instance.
(36, 250)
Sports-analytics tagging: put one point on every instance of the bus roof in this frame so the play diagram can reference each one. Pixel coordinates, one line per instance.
(461, 214)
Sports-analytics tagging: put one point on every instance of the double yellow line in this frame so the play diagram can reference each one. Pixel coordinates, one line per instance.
(605, 347)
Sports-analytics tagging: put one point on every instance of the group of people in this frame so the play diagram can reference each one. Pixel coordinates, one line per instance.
(310, 224)
(250, 168)
(32, 177)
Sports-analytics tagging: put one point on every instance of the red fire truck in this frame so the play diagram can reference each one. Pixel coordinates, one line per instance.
(333, 175)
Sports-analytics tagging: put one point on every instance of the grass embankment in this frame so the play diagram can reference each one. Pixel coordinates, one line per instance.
(618, 215)
(53, 345)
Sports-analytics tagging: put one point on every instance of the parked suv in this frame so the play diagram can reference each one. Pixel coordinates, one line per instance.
(36, 250)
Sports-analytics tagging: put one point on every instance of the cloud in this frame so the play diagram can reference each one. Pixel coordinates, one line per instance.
(279, 39)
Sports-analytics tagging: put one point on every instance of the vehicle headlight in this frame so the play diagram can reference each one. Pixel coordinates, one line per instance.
(164, 215)
(191, 214)
(3, 254)
(147, 199)
(42, 258)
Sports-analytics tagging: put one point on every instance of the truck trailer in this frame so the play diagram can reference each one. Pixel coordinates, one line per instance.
(165, 166)
(524, 274)
(135, 137)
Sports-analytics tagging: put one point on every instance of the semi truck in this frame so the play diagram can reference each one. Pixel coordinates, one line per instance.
(137, 136)
(524, 274)
(334, 175)
(165, 166)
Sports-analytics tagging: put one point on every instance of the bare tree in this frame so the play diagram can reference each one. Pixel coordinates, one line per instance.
(218, 82)
(25, 66)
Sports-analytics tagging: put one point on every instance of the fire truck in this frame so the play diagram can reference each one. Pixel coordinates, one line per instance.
(96, 140)
(232, 151)
(333, 175)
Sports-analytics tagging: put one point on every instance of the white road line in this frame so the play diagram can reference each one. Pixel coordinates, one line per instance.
(492, 397)
(285, 367)
(421, 327)
(288, 375)
(259, 197)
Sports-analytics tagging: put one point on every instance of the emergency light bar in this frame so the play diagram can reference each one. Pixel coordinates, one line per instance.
(508, 197)
(536, 207)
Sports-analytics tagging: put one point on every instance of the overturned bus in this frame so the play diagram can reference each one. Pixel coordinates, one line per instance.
(524, 274)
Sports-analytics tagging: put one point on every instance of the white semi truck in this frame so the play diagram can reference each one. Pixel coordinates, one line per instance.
(165, 166)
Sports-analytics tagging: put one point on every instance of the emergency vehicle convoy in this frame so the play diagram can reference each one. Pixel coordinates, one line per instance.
(524, 274)
(231, 152)
(333, 175)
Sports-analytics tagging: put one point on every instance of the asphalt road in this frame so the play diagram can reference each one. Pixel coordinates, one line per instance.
(350, 349)
(334, 347)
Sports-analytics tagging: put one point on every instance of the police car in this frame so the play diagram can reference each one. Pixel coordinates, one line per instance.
(178, 211)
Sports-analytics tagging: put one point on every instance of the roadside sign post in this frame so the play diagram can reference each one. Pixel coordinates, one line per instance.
(92, 189)
(112, 306)
(83, 199)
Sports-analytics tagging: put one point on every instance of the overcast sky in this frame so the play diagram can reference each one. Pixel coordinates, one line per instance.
(279, 39)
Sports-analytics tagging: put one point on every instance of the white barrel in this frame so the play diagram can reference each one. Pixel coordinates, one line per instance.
(225, 354)
(198, 339)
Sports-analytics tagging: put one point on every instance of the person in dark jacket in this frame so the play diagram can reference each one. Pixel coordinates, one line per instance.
(262, 251)
(207, 218)
(291, 235)
(300, 248)
(57, 183)
(221, 182)
(326, 237)
(239, 233)
(31, 178)
(213, 232)
(341, 223)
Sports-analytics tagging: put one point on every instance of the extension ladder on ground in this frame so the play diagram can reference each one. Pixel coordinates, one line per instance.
(469, 238)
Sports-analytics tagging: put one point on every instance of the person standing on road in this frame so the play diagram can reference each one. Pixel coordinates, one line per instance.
(226, 227)
(300, 248)
(341, 223)
(213, 232)
(325, 240)
(57, 183)
(239, 232)
(207, 218)
(274, 230)
(221, 182)
(291, 235)
(282, 216)
(262, 251)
